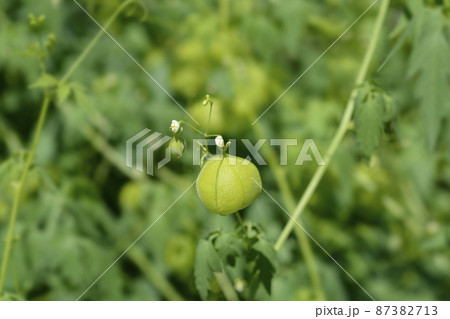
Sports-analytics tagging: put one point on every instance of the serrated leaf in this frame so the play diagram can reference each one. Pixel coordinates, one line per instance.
(407, 30)
(264, 257)
(229, 247)
(45, 81)
(368, 120)
(265, 263)
(266, 271)
(207, 261)
(429, 67)
(266, 249)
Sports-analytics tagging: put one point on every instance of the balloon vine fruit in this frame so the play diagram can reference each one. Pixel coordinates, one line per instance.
(227, 184)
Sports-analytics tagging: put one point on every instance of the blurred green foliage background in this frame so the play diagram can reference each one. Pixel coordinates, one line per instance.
(385, 219)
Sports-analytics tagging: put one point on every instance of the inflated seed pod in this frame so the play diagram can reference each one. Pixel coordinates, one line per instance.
(227, 184)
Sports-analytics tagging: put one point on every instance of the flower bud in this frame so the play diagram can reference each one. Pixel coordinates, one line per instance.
(176, 146)
(50, 43)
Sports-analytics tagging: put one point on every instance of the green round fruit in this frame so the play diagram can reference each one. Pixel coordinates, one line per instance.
(227, 184)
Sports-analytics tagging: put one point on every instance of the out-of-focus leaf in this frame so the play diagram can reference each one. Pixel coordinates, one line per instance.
(265, 263)
(266, 249)
(429, 66)
(368, 120)
(207, 261)
(229, 247)
(63, 91)
(45, 81)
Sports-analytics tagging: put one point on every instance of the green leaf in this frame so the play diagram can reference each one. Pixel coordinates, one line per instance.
(405, 31)
(10, 171)
(266, 249)
(45, 81)
(82, 100)
(265, 262)
(207, 261)
(63, 92)
(229, 247)
(389, 108)
(429, 67)
(368, 120)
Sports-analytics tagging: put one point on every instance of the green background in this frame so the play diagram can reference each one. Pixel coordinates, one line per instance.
(384, 218)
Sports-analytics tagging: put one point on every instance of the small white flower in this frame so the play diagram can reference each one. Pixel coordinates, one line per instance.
(219, 141)
(175, 126)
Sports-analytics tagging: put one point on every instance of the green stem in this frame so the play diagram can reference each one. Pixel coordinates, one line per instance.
(138, 256)
(205, 135)
(198, 131)
(308, 253)
(226, 286)
(207, 124)
(211, 135)
(94, 41)
(342, 129)
(30, 157)
(189, 125)
(17, 195)
(209, 117)
(238, 216)
(288, 198)
(103, 147)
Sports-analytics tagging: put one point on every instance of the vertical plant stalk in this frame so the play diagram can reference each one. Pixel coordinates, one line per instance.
(240, 221)
(343, 126)
(209, 116)
(17, 195)
(226, 286)
(138, 256)
(42, 115)
(288, 198)
(94, 41)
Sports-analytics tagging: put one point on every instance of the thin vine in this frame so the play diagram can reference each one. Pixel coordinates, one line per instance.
(342, 129)
(49, 93)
